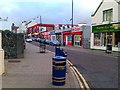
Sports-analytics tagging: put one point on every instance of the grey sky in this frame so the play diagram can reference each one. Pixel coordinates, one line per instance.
(51, 11)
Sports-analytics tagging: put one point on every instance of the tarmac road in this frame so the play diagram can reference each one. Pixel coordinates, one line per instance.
(98, 68)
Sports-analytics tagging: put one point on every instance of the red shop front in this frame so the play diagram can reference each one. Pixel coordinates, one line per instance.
(46, 34)
(67, 38)
(77, 36)
(73, 37)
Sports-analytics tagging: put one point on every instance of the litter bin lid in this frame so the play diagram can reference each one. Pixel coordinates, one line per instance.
(59, 57)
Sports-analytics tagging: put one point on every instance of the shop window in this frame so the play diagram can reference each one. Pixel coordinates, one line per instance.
(97, 39)
(77, 40)
(109, 37)
(117, 38)
(53, 37)
(69, 38)
(103, 39)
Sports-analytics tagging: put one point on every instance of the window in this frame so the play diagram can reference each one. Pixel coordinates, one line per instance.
(69, 38)
(97, 39)
(103, 39)
(108, 15)
(117, 39)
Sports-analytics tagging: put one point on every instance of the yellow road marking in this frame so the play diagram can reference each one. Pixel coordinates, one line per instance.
(80, 83)
(76, 72)
(84, 81)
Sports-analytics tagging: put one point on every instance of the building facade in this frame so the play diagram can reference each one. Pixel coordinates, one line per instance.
(43, 29)
(73, 36)
(106, 25)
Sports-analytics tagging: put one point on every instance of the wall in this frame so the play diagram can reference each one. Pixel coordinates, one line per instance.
(1, 57)
(119, 12)
(86, 31)
(97, 19)
(86, 36)
(107, 4)
(13, 45)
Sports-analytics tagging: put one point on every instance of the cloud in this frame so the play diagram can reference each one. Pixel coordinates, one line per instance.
(37, 1)
(8, 7)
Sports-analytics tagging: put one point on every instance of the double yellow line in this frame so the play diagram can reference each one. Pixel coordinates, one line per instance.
(82, 82)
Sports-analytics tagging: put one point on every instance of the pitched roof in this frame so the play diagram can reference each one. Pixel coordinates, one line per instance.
(97, 9)
(118, 1)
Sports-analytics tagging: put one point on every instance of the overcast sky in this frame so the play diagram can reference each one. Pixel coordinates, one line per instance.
(51, 11)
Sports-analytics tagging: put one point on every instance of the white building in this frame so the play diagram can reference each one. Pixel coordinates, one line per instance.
(22, 28)
(106, 25)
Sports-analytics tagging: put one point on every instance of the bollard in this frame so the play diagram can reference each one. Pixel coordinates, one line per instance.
(58, 70)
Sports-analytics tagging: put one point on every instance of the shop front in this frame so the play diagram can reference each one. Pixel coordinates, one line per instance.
(67, 38)
(73, 37)
(77, 40)
(46, 34)
(77, 36)
(104, 34)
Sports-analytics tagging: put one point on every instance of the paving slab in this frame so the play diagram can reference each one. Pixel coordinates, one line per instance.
(34, 71)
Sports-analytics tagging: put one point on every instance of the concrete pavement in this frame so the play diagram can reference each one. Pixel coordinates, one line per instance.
(34, 71)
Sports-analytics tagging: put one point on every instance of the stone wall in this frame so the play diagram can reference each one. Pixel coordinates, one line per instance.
(13, 44)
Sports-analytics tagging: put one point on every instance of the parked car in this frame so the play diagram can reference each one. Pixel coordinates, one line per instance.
(42, 40)
(28, 39)
(37, 39)
(33, 39)
(55, 43)
(47, 41)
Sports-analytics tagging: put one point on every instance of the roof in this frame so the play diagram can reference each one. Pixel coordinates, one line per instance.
(118, 1)
(97, 8)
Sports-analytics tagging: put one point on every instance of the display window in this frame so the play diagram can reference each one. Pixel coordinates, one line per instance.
(117, 38)
(103, 37)
(97, 39)
(77, 40)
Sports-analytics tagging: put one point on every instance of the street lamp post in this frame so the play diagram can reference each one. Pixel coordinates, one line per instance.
(72, 25)
(42, 45)
(40, 24)
(72, 13)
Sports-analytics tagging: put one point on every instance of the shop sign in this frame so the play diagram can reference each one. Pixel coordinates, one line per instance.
(106, 28)
(76, 29)
(43, 29)
(58, 31)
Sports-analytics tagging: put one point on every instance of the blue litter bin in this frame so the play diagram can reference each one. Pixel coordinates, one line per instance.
(58, 70)
(60, 52)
